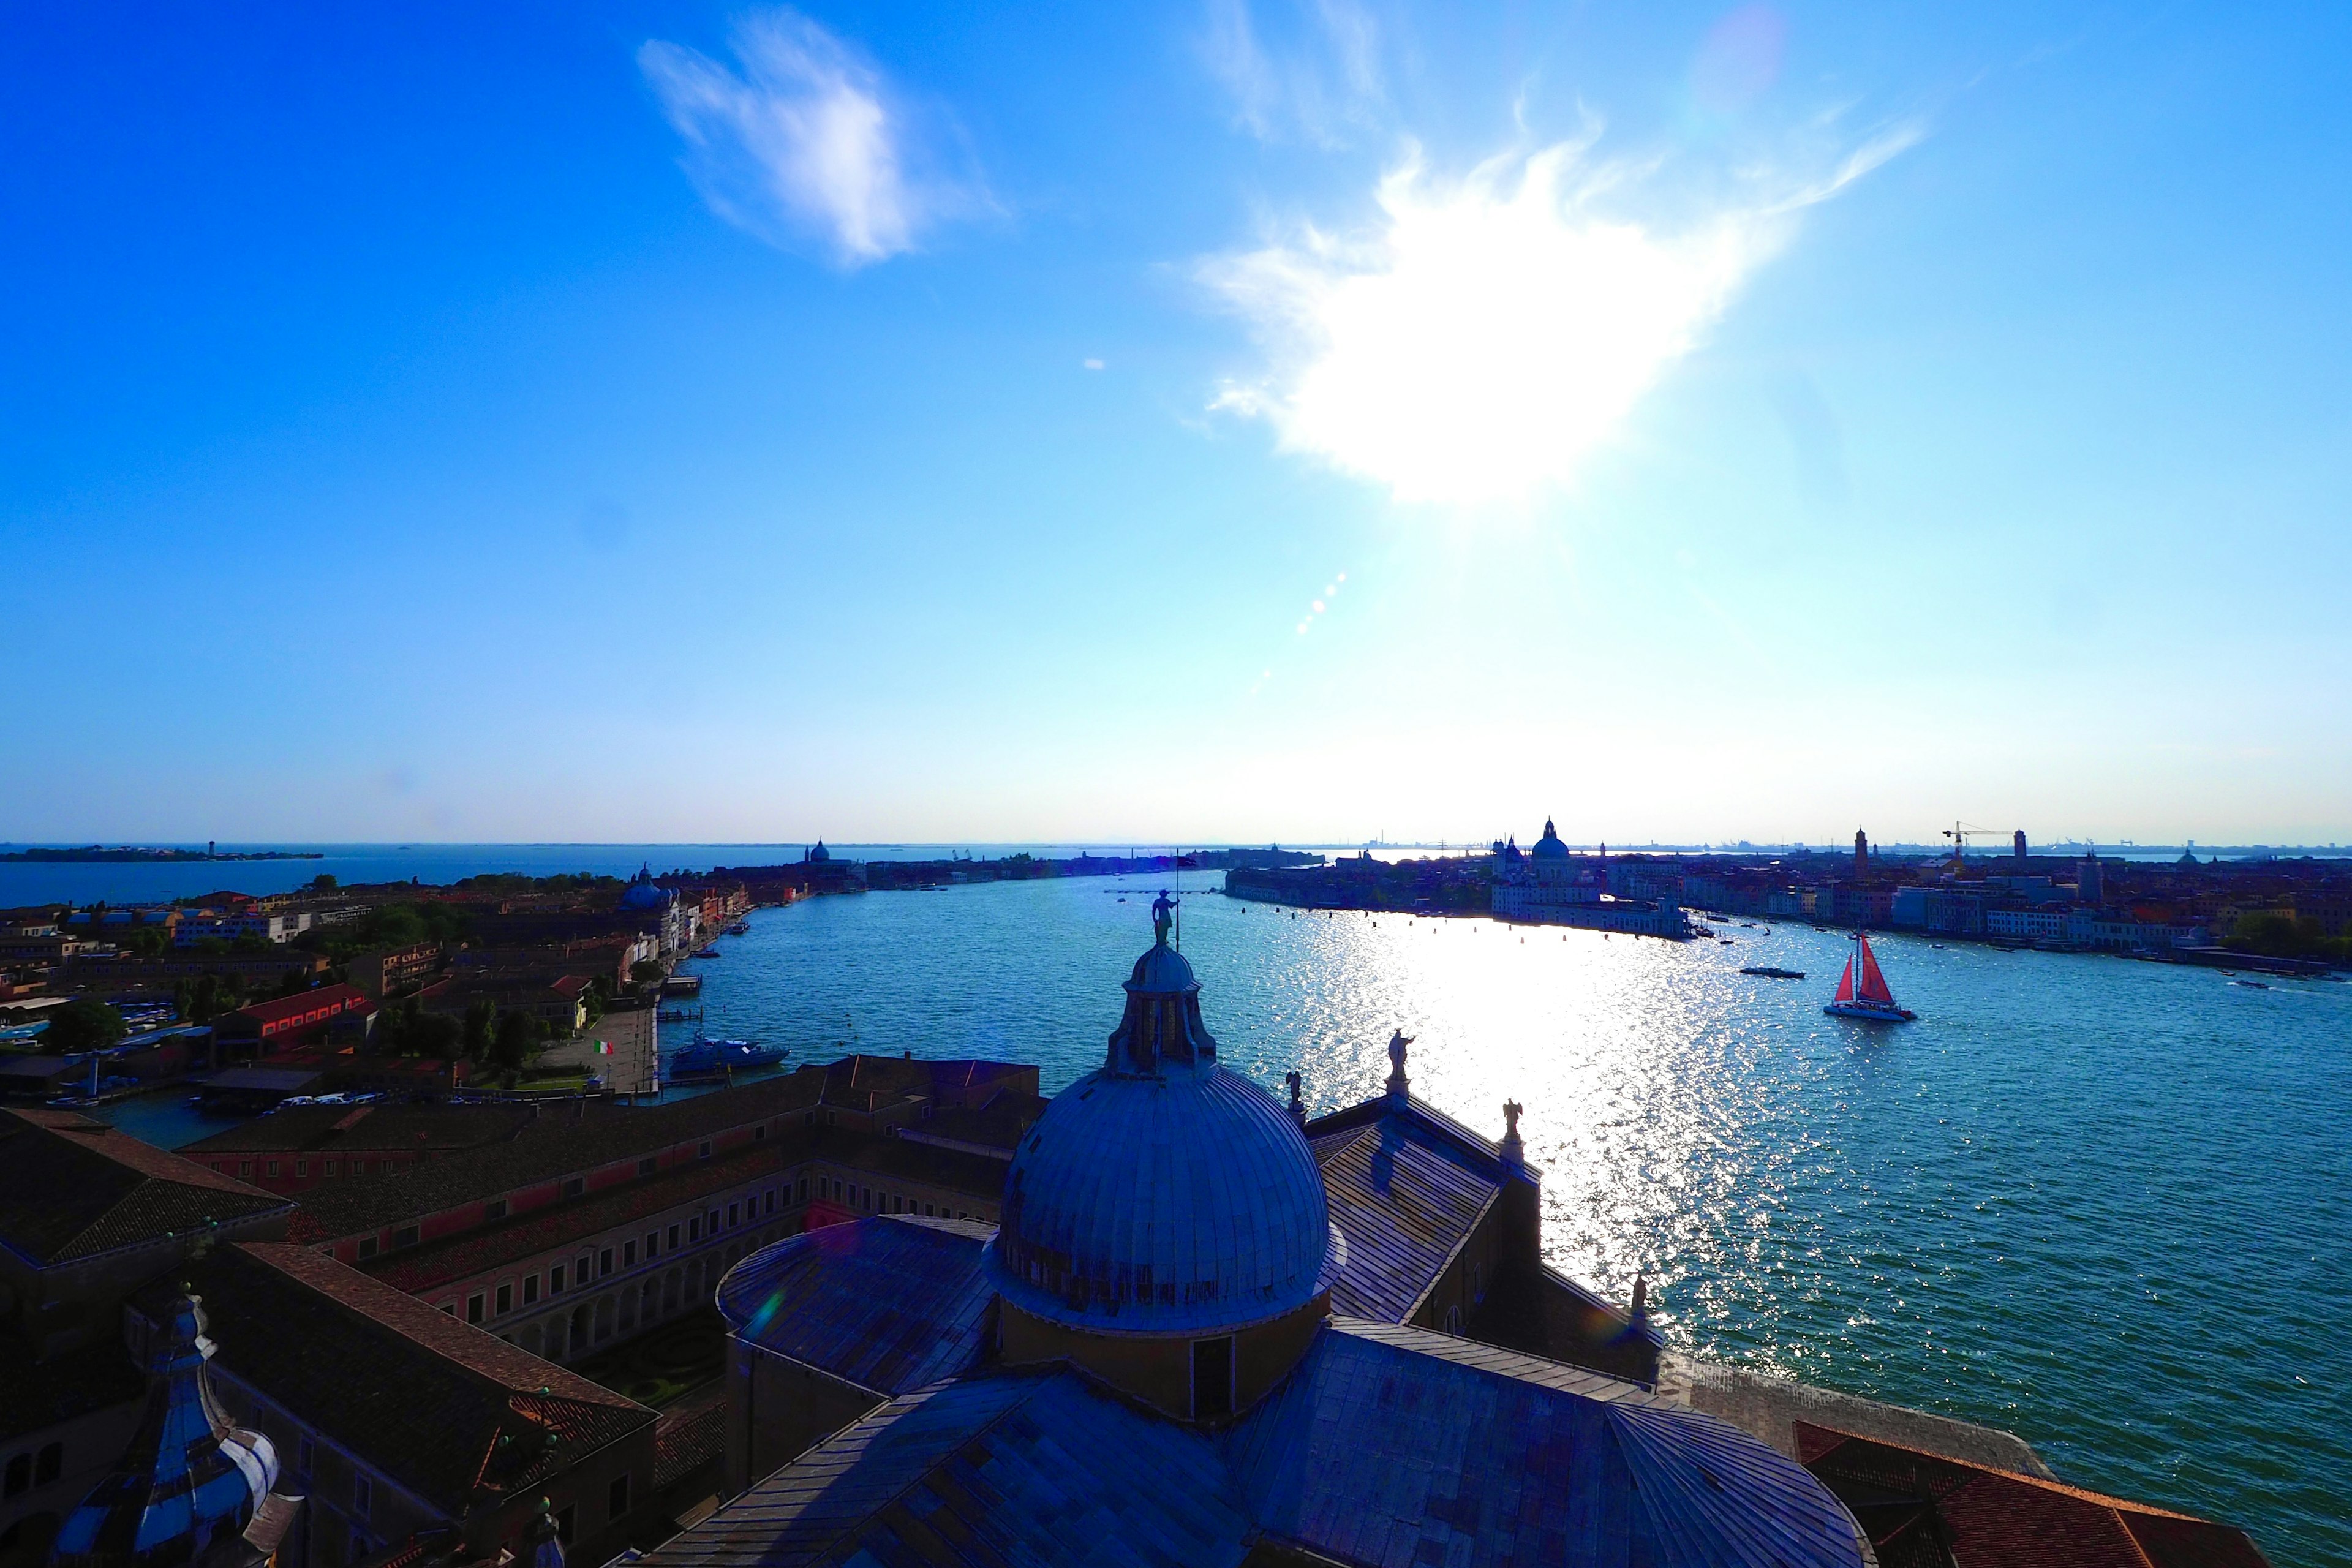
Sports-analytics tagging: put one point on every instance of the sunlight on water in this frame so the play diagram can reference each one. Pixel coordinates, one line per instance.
(2102, 1203)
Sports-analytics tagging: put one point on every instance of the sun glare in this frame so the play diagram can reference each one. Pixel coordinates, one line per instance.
(1490, 334)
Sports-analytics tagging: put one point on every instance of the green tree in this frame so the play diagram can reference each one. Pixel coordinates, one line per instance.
(435, 1035)
(82, 1025)
(323, 883)
(645, 972)
(518, 1032)
(481, 1017)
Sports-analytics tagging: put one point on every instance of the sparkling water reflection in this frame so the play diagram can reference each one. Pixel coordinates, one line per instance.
(2099, 1202)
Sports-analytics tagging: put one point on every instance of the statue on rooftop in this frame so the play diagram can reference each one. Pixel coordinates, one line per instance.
(1163, 915)
(1397, 1082)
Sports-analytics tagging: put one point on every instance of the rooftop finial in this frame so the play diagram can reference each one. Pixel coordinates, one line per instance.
(1298, 1100)
(1514, 1152)
(1398, 1041)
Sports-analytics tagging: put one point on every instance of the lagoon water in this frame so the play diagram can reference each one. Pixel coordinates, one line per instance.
(2103, 1204)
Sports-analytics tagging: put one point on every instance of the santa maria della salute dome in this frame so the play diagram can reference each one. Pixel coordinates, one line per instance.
(1161, 1193)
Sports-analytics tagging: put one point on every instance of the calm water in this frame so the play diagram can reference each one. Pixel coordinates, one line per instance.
(2101, 1203)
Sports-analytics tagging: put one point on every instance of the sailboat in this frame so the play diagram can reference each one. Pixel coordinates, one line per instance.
(1863, 991)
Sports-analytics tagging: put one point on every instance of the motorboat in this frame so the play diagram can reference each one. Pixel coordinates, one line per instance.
(708, 1058)
(1863, 993)
(1765, 971)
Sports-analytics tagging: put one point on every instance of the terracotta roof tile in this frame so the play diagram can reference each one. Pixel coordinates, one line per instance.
(77, 1188)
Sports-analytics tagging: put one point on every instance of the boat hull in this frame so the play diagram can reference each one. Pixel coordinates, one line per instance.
(1869, 1012)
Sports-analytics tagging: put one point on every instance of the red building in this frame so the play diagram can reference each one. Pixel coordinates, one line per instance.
(289, 1020)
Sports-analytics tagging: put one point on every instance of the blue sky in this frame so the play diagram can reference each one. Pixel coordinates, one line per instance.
(697, 423)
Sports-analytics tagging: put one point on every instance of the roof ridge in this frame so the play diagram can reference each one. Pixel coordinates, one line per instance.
(2084, 1493)
(336, 1282)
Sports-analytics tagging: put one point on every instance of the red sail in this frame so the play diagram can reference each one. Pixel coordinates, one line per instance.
(1845, 983)
(1873, 984)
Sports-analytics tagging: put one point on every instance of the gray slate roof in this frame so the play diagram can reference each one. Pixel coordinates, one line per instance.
(1386, 1445)
(892, 1304)
(1405, 1205)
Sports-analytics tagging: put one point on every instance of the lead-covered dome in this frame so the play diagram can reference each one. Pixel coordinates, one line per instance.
(1162, 1193)
(1550, 847)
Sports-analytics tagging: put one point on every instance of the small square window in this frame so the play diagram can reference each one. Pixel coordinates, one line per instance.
(604, 1262)
(694, 1230)
(734, 1215)
(673, 1239)
(770, 1206)
(367, 1247)
(404, 1236)
(617, 1498)
(474, 1308)
(653, 1244)
(628, 1255)
(494, 1209)
(328, 1168)
(245, 1167)
(649, 1165)
(506, 1300)
(273, 1167)
(703, 1151)
(301, 1167)
(759, 1134)
(574, 1186)
(529, 1289)
(555, 1279)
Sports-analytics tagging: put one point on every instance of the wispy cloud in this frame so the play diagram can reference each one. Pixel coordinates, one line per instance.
(1315, 73)
(1484, 334)
(803, 141)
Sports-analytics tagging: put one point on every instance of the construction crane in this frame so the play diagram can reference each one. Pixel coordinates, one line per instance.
(1959, 833)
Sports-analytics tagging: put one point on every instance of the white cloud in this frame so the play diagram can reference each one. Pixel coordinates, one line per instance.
(805, 141)
(1487, 333)
(1316, 73)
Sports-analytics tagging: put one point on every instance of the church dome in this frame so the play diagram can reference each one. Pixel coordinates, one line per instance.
(1548, 848)
(819, 856)
(644, 893)
(1161, 1193)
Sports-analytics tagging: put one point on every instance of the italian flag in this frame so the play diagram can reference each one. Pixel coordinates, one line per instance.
(604, 1048)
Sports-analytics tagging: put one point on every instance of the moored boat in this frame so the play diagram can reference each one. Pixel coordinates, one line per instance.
(707, 1058)
(1863, 993)
(1766, 972)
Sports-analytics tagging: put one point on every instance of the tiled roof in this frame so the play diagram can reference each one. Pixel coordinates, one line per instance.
(687, 1441)
(1035, 1469)
(430, 1128)
(460, 1256)
(76, 1188)
(578, 1136)
(583, 1135)
(1405, 1206)
(440, 1407)
(1385, 1446)
(1398, 1444)
(890, 1303)
(1996, 1518)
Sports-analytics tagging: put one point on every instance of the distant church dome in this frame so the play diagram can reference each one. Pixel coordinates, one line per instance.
(1161, 1193)
(642, 892)
(818, 856)
(1548, 848)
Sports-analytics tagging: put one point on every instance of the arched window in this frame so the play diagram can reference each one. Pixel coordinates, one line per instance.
(1454, 1319)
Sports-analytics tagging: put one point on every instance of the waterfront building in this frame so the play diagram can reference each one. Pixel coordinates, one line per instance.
(1548, 885)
